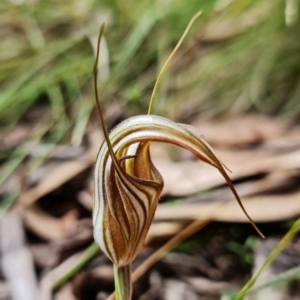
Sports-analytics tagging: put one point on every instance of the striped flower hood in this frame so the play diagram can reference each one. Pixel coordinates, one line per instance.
(128, 186)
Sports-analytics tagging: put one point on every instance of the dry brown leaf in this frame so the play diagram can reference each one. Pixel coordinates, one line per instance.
(45, 255)
(15, 136)
(206, 286)
(260, 208)
(66, 232)
(62, 152)
(56, 178)
(273, 182)
(63, 172)
(43, 224)
(241, 131)
(162, 230)
(286, 142)
(69, 221)
(85, 198)
(65, 293)
(4, 290)
(177, 290)
(16, 260)
(194, 176)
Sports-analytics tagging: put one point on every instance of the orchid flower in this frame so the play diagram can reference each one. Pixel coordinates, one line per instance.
(128, 186)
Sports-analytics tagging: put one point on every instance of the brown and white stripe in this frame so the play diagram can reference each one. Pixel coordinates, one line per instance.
(128, 186)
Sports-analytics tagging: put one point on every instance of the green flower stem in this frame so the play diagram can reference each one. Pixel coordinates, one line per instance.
(123, 283)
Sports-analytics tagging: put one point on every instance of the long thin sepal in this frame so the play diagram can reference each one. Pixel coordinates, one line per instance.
(102, 29)
(161, 73)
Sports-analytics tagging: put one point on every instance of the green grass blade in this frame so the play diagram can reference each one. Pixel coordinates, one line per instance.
(281, 245)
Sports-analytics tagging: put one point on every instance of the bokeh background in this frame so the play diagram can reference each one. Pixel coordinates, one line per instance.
(236, 78)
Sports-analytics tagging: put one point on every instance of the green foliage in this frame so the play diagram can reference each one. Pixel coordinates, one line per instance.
(6, 202)
(45, 45)
(244, 251)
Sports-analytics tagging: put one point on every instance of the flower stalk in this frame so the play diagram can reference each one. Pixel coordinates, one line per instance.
(123, 283)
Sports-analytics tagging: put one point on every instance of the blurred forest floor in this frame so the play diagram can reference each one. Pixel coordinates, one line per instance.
(236, 79)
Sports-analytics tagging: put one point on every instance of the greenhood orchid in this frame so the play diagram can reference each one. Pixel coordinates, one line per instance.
(127, 184)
